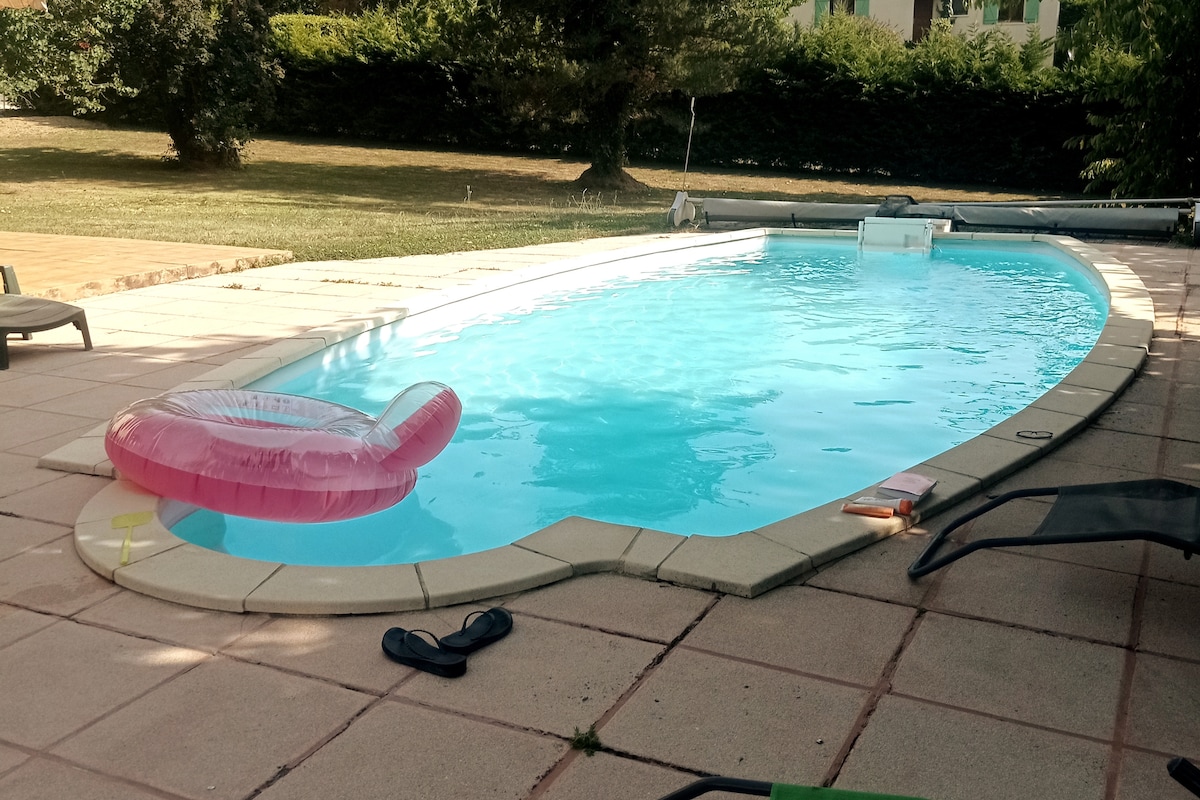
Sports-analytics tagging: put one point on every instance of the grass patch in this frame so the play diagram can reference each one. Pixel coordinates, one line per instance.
(344, 200)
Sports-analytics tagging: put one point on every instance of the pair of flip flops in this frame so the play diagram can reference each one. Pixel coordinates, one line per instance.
(447, 656)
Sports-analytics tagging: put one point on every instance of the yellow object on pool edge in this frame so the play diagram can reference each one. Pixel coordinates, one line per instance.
(130, 521)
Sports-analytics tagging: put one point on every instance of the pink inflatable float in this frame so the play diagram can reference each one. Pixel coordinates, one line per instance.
(278, 456)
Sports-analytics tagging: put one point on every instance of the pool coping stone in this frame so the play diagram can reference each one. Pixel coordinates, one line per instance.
(159, 564)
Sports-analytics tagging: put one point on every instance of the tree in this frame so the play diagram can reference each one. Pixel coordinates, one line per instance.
(203, 70)
(598, 62)
(1140, 61)
(61, 58)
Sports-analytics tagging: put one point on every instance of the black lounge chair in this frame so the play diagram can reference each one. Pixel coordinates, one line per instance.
(1157, 510)
(776, 791)
(26, 315)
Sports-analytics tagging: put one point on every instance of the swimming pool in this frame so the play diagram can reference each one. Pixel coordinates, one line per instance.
(800, 372)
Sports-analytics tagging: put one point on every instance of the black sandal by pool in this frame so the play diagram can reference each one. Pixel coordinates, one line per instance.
(486, 627)
(411, 650)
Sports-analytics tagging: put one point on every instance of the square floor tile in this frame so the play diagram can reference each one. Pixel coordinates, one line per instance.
(747, 721)
(51, 578)
(17, 534)
(878, 571)
(612, 777)
(67, 675)
(1171, 620)
(42, 779)
(397, 750)
(1165, 706)
(808, 630)
(1040, 593)
(910, 748)
(645, 609)
(1016, 674)
(219, 731)
(187, 626)
(545, 675)
(1145, 777)
(17, 623)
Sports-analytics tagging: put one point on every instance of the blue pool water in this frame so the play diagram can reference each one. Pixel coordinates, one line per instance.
(693, 395)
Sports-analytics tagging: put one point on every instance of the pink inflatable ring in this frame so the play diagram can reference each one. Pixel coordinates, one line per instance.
(281, 457)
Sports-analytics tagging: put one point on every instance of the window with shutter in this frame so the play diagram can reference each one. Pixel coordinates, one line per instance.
(991, 12)
(1031, 11)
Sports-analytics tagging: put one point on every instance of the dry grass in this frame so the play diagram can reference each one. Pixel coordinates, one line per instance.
(325, 200)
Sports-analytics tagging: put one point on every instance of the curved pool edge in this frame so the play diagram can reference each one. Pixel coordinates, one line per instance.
(161, 565)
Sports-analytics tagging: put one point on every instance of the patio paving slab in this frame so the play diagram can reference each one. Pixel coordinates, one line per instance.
(241, 724)
(1145, 776)
(18, 535)
(51, 578)
(946, 754)
(990, 668)
(657, 612)
(805, 629)
(767, 722)
(544, 676)
(17, 623)
(1165, 706)
(343, 650)
(185, 626)
(50, 691)
(583, 777)
(1171, 615)
(43, 779)
(879, 571)
(1040, 593)
(401, 751)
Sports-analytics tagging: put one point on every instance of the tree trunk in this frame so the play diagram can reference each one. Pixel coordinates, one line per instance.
(607, 120)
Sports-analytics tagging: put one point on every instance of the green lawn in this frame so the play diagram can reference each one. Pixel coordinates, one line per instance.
(326, 200)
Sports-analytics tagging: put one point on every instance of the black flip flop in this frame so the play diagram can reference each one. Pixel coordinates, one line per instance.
(486, 627)
(413, 651)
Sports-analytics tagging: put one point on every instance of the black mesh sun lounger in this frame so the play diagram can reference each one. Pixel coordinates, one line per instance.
(776, 791)
(25, 315)
(1157, 510)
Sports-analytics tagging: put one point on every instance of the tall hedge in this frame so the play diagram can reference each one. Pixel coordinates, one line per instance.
(846, 96)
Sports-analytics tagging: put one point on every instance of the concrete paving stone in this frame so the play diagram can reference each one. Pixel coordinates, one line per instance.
(1055, 471)
(20, 472)
(587, 545)
(241, 723)
(649, 610)
(1144, 777)
(345, 650)
(39, 447)
(9, 758)
(1165, 705)
(583, 777)
(746, 564)
(18, 534)
(28, 390)
(1182, 460)
(757, 721)
(57, 501)
(545, 676)
(186, 626)
(22, 425)
(803, 628)
(17, 623)
(43, 779)
(1186, 396)
(1171, 620)
(1148, 390)
(296, 589)
(648, 551)
(987, 458)
(503, 570)
(1114, 449)
(1168, 564)
(68, 675)
(50, 578)
(1130, 417)
(878, 571)
(1040, 593)
(1184, 423)
(196, 576)
(1015, 674)
(399, 751)
(911, 748)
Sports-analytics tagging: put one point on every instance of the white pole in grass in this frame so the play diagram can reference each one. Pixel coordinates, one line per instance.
(688, 153)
